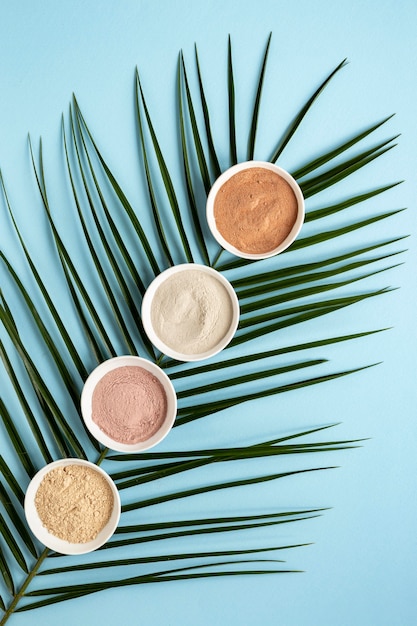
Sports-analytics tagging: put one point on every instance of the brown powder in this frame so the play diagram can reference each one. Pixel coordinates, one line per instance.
(129, 404)
(74, 503)
(255, 210)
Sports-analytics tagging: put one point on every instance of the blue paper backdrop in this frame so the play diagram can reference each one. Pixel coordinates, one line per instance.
(360, 569)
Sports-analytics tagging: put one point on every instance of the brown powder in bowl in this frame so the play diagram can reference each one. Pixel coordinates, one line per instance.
(129, 404)
(255, 210)
(74, 503)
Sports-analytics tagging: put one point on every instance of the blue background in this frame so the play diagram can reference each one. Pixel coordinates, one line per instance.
(360, 568)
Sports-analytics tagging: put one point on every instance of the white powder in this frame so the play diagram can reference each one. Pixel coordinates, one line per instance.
(191, 312)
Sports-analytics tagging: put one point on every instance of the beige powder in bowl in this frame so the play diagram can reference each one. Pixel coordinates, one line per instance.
(74, 503)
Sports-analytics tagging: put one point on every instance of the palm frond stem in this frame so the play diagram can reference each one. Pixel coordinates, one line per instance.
(21, 593)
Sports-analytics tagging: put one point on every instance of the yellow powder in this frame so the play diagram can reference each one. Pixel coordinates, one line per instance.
(74, 503)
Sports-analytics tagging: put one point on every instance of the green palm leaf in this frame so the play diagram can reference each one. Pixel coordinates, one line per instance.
(154, 205)
(182, 78)
(30, 418)
(166, 178)
(18, 527)
(232, 107)
(121, 196)
(161, 558)
(67, 339)
(72, 277)
(65, 439)
(255, 114)
(318, 183)
(78, 591)
(130, 346)
(186, 493)
(332, 154)
(211, 148)
(273, 296)
(303, 112)
(201, 159)
(189, 414)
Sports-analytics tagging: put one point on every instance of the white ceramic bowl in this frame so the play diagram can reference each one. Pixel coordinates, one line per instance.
(87, 396)
(147, 308)
(235, 169)
(55, 543)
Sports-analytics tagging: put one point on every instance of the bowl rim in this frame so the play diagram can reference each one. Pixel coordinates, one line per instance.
(147, 305)
(55, 543)
(87, 394)
(231, 171)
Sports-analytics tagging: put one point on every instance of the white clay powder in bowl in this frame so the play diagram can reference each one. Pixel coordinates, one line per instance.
(190, 312)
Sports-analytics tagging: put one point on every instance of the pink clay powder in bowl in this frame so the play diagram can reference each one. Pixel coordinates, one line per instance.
(128, 404)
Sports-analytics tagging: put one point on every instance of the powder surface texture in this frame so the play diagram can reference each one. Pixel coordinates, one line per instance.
(74, 503)
(129, 404)
(255, 210)
(191, 312)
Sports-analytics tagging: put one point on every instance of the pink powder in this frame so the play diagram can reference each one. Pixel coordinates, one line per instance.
(129, 404)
